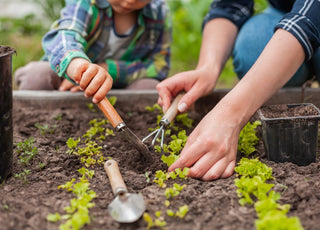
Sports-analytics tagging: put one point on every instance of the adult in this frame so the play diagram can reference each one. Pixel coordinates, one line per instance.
(274, 49)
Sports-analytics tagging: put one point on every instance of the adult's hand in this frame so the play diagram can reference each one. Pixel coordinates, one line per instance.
(93, 79)
(211, 149)
(196, 83)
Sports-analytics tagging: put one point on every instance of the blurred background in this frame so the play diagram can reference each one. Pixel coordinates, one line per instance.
(24, 22)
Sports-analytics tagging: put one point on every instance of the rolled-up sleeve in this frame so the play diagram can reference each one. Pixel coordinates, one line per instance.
(303, 21)
(237, 12)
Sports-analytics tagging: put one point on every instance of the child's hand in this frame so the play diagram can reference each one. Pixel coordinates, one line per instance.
(93, 79)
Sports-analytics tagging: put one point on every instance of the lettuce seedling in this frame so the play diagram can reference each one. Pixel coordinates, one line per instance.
(248, 139)
(174, 191)
(185, 120)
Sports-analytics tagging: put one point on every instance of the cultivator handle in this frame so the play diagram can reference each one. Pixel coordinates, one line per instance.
(117, 184)
(110, 112)
(172, 112)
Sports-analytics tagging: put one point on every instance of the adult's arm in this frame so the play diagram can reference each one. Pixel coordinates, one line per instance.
(218, 39)
(211, 149)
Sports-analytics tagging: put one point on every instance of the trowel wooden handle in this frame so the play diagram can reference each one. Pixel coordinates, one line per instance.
(112, 169)
(110, 112)
(173, 109)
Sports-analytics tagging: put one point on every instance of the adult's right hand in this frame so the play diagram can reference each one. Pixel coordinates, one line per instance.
(196, 83)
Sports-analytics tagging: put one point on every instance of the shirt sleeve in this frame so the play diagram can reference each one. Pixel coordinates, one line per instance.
(66, 39)
(303, 21)
(155, 65)
(237, 11)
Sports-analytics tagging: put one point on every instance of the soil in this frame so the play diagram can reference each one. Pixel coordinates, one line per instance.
(286, 111)
(212, 205)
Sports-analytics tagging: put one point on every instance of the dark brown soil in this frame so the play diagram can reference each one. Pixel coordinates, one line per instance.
(285, 111)
(212, 205)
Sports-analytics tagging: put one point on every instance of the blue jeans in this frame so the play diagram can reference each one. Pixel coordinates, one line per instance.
(254, 36)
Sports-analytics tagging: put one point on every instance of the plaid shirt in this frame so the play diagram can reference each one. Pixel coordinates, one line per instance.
(302, 18)
(83, 31)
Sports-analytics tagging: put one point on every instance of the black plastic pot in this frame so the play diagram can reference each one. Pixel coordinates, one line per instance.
(6, 132)
(291, 139)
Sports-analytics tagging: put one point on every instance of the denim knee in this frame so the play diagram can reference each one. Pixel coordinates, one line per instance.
(252, 38)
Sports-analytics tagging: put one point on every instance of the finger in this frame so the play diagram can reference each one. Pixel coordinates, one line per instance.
(87, 77)
(75, 89)
(189, 98)
(96, 82)
(164, 98)
(103, 90)
(65, 85)
(189, 155)
(216, 170)
(229, 170)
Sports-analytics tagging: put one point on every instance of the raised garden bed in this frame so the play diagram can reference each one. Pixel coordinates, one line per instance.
(212, 205)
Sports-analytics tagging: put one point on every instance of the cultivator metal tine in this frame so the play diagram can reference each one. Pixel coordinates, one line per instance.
(156, 133)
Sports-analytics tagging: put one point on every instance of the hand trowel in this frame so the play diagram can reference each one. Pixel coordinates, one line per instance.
(126, 207)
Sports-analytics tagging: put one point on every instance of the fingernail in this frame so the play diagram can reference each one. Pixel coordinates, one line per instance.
(86, 95)
(94, 100)
(81, 88)
(182, 107)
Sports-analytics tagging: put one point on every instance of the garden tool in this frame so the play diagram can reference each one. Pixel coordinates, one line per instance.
(165, 121)
(126, 207)
(117, 123)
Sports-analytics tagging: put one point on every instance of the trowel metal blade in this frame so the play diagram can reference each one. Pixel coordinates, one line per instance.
(127, 208)
(136, 142)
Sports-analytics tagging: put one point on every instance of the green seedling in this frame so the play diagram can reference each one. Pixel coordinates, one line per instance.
(26, 151)
(78, 212)
(174, 191)
(185, 120)
(183, 210)
(157, 222)
(23, 175)
(41, 165)
(112, 100)
(92, 107)
(58, 117)
(6, 207)
(147, 176)
(72, 145)
(248, 139)
(44, 129)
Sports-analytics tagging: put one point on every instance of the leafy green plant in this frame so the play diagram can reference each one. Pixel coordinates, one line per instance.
(72, 145)
(157, 222)
(78, 211)
(44, 129)
(23, 175)
(174, 191)
(183, 210)
(185, 120)
(248, 139)
(26, 150)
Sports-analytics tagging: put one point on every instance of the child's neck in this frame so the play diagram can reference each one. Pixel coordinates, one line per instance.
(123, 22)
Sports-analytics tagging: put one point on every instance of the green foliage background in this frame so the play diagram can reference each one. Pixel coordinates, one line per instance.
(24, 34)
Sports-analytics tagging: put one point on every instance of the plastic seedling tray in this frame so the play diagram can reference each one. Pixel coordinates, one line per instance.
(291, 137)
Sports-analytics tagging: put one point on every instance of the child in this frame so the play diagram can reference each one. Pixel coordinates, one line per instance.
(102, 44)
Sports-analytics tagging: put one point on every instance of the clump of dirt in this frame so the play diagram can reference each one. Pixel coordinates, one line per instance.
(212, 205)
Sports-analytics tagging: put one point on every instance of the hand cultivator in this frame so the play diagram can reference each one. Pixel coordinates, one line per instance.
(165, 121)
